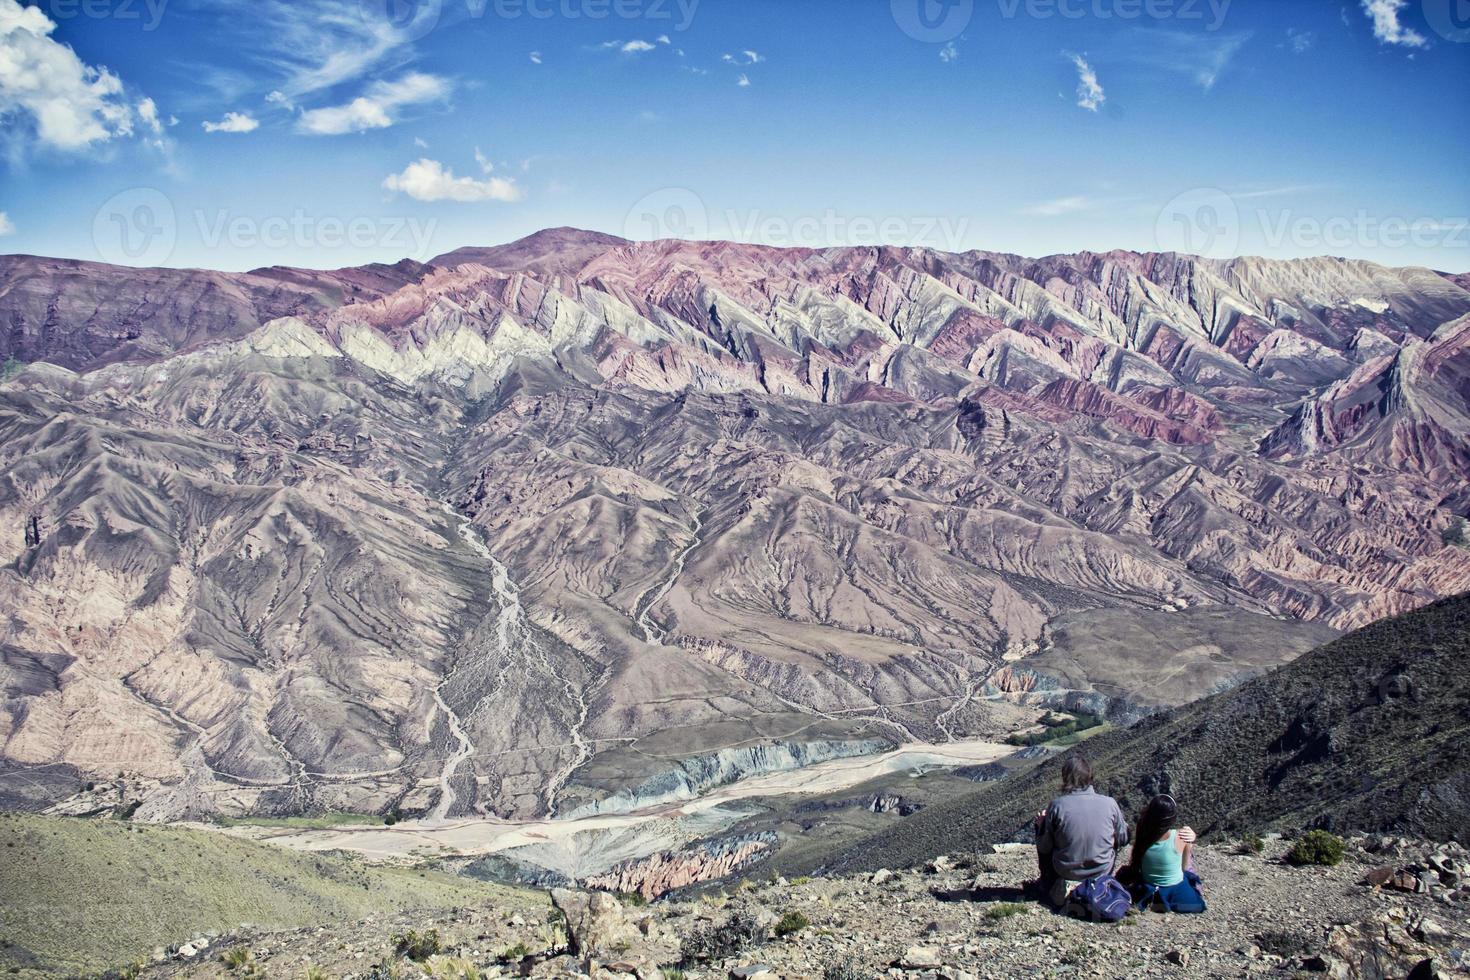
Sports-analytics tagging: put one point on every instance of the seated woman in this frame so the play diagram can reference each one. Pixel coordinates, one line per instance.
(1160, 872)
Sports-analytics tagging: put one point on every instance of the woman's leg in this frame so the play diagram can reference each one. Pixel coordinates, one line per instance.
(1184, 898)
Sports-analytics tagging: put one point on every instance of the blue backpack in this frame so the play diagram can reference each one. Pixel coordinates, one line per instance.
(1100, 899)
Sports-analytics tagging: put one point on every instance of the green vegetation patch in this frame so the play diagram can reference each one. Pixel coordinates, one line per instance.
(1316, 847)
(1004, 910)
(791, 923)
(325, 821)
(79, 896)
(1059, 732)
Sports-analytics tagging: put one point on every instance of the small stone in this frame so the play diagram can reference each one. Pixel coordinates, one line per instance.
(881, 875)
(752, 971)
(1179, 957)
(188, 951)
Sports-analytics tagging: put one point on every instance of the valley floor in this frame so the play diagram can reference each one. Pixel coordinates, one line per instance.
(970, 919)
(483, 836)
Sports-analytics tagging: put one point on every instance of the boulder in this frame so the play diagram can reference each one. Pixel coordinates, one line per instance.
(597, 925)
(920, 958)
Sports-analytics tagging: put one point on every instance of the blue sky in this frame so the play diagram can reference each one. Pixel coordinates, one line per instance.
(235, 134)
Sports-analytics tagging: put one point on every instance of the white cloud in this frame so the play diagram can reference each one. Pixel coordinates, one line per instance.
(1386, 26)
(664, 39)
(746, 57)
(148, 115)
(1202, 58)
(420, 142)
(377, 108)
(1060, 206)
(1089, 92)
(233, 122)
(430, 180)
(70, 104)
(314, 45)
(753, 57)
(635, 47)
(1300, 41)
(535, 57)
(7, 227)
(949, 53)
(744, 81)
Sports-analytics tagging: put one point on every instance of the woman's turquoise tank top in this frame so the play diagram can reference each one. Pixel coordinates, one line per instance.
(1162, 864)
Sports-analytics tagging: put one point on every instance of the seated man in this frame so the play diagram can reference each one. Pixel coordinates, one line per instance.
(1079, 834)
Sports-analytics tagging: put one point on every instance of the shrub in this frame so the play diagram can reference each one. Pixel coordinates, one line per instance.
(452, 968)
(791, 923)
(313, 972)
(1286, 944)
(1250, 844)
(384, 969)
(672, 973)
(1456, 532)
(1316, 847)
(1004, 910)
(517, 952)
(632, 899)
(238, 958)
(721, 941)
(417, 946)
(844, 970)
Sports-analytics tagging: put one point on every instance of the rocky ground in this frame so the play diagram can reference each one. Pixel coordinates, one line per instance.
(1392, 908)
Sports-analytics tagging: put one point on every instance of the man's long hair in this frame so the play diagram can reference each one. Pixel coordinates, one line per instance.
(1076, 772)
(1154, 825)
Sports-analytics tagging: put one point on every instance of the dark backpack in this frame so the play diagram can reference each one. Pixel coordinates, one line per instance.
(1100, 899)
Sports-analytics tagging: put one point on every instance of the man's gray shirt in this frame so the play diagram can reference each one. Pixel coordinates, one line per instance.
(1083, 832)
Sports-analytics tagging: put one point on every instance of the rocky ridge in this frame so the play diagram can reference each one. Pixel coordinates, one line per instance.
(964, 916)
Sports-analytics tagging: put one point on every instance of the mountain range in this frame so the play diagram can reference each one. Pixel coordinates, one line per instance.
(526, 529)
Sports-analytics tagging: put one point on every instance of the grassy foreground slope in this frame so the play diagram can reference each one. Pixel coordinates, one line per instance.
(1370, 731)
(78, 896)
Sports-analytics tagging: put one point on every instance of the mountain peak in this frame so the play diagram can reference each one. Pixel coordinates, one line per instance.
(548, 250)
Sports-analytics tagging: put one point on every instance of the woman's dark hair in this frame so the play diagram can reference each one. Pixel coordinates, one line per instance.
(1154, 824)
(1076, 772)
